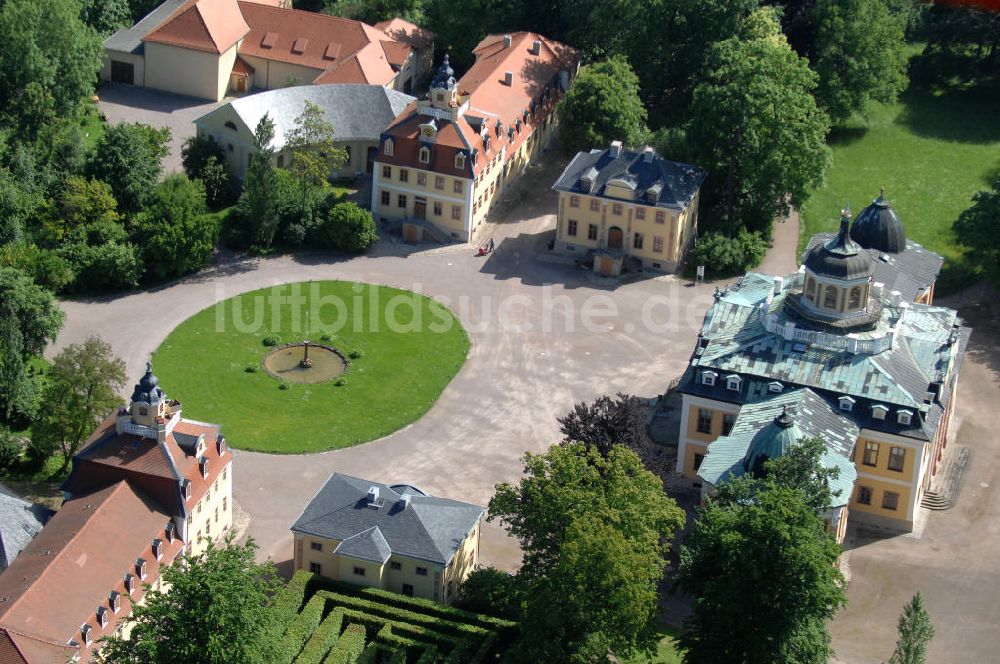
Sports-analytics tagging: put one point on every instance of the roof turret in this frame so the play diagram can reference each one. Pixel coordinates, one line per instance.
(878, 227)
(841, 257)
(147, 390)
(445, 76)
(771, 442)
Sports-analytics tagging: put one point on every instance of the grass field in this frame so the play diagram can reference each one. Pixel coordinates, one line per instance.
(931, 151)
(666, 652)
(410, 348)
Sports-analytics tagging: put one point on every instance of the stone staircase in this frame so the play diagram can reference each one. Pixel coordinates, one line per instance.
(944, 489)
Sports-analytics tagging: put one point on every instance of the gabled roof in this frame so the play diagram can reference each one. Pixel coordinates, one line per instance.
(406, 32)
(18, 648)
(81, 555)
(357, 112)
(429, 528)
(204, 25)
(20, 522)
(675, 183)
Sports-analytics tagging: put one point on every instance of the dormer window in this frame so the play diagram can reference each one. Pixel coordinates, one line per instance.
(129, 583)
(708, 378)
(775, 387)
(140, 568)
(846, 404)
(85, 632)
(158, 548)
(904, 417)
(170, 531)
(460, 160)
(733, 383)
(203, 466)
(102, 616)
(425, 155)
(879, 412)
(186, 489)
(220, 444)
(115, 601)
(389, 147)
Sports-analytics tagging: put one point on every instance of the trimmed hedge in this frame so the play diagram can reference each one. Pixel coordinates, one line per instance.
(322, 640)
(454, 629)
(429, 656)
(300, 629)
(288, 601)
(349, 646)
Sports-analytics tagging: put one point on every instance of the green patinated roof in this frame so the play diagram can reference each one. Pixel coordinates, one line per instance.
(755, 430)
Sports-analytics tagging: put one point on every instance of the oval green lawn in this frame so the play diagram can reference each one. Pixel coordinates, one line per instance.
(410, 348)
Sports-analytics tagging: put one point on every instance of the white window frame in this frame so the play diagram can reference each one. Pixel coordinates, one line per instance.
(425, 155)
(775, 387)
(708, 378)
(734, 383)
(879, 412)
(846, 404)
(904, 417)
(459, 160)
(389, 148)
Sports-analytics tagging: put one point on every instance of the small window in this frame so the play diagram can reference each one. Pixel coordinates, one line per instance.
(425, 155)
(728, 420)
(408, 590)
(85, 632)
(574, 201)
(897, 459)
(456, 211)
(157, 548)
(385, 198)
(616, 209)
(388, 148)
(733, 383)
(890, 500)
(315, 568)
(387, 172)
(129, 583)
(102, 616)
(595, 205)
(571, 227)
(401, 201)
(708, 378)
(115, 601)
(592, 232)
(879, 412)
(640, 213)
(704, 421)
(846, 404)
(459, 160)
(140, 568)
(830, 297)
(458, 187)
(774, 387)
(864, 495)
(439, 182)
(421, 571)
(657, 244)
(438, 211)
(404, 175)
(144, 411)
(698, 458)
(661, 217)
(231, 125)
(359, 571)
(854, 298)
(170, 531)
(203, 465)
(904, 417)
(396, 565)
(637, 241)
(316, 546)
(422, 179)
(871, 454)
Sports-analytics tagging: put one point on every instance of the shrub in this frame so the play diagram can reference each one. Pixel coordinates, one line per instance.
(204, 160)
(346, 227)
(295, 235)
(10, 449)
(300, 629)
(340, 382)
(251, 368)
(271, 340)
(349, 646)
(491, 591)
(725, 256)
(176, 235)
(322, 640)
(355, 354)
(283, 386)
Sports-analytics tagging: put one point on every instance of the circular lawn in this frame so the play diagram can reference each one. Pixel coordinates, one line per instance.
(401, 350)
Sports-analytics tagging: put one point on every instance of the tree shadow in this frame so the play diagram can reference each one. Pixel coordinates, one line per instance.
(969, 115)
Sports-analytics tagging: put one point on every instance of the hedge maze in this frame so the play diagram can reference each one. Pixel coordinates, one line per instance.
(325, 622)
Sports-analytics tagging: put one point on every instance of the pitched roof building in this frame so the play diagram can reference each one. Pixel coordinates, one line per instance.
(20, 521)
(446, 161)
(148, 487)
(391, 536)
(872, 373)
(207, 48)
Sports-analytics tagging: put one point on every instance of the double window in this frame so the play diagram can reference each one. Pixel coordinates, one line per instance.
(437, 208)
(387, 172)
(871, 454)
(704, 421)
(359, 571)
(616, 209)
(640, 213)
(315, 568)
(897, 459)
(422, 179)
(456, 211)
(458, 187)
(421, 571)
(385, 198)
(571, 227)
(595, 205)
(661, 217)
(316, 546)
(439, 182)
(401, 201)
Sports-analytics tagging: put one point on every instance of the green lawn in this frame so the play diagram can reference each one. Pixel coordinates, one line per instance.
(399, 376)
(93, 128)
(666, 652)
(931, 152)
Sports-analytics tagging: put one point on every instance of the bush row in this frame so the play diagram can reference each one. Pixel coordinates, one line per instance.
(300, 629)
(322, 640)
(349, 646)
(288, 601)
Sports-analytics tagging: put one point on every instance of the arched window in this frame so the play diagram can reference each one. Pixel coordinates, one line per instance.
(459, 160)
(425, 155)
(854, 299)
(388, 149)
(830, 297)
(231, 125)
(811, 288)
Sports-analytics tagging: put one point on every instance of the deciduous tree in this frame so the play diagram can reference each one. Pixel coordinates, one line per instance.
(129, 157)
(347, 227)
(594, 531)
(915, 632)
(313, 156)
(257, 209)
(212, 608)
(82, 201)
(603, 105)
(612, 421)
(174, 232)
(204, 160)
(82, 389)
(978, 228)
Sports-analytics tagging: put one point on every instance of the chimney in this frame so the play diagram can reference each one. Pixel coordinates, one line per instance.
(536, 47)
(647, 154)
(508, 78)
(616, 149)
(404, 501)
(507, 40)
(779, 285)
(372, 495)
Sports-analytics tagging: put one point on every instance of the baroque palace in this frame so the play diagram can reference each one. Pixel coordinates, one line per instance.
(850, 349)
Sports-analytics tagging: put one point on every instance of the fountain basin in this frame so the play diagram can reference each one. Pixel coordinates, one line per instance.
(289, 363)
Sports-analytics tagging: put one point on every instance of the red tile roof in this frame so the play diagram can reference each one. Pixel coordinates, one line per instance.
(404, 31)
(17, 648)
(204, 25)
(81, 556)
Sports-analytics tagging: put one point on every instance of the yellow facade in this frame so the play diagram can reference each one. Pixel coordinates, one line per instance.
(399, 191)
(212, 516)
(399, 574)
(188, 72)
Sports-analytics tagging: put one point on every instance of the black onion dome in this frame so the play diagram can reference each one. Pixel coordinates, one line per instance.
(841, 257)
(878, 227)
(445, 76)
(147, 389)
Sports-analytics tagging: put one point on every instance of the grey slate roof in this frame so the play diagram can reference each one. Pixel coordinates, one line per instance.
(357, 112)
(840, 257)
(430, 528)
(813, 417)
(928, 344)
(677, 182)
(911, 272)
(20, 521)
(129, 40)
